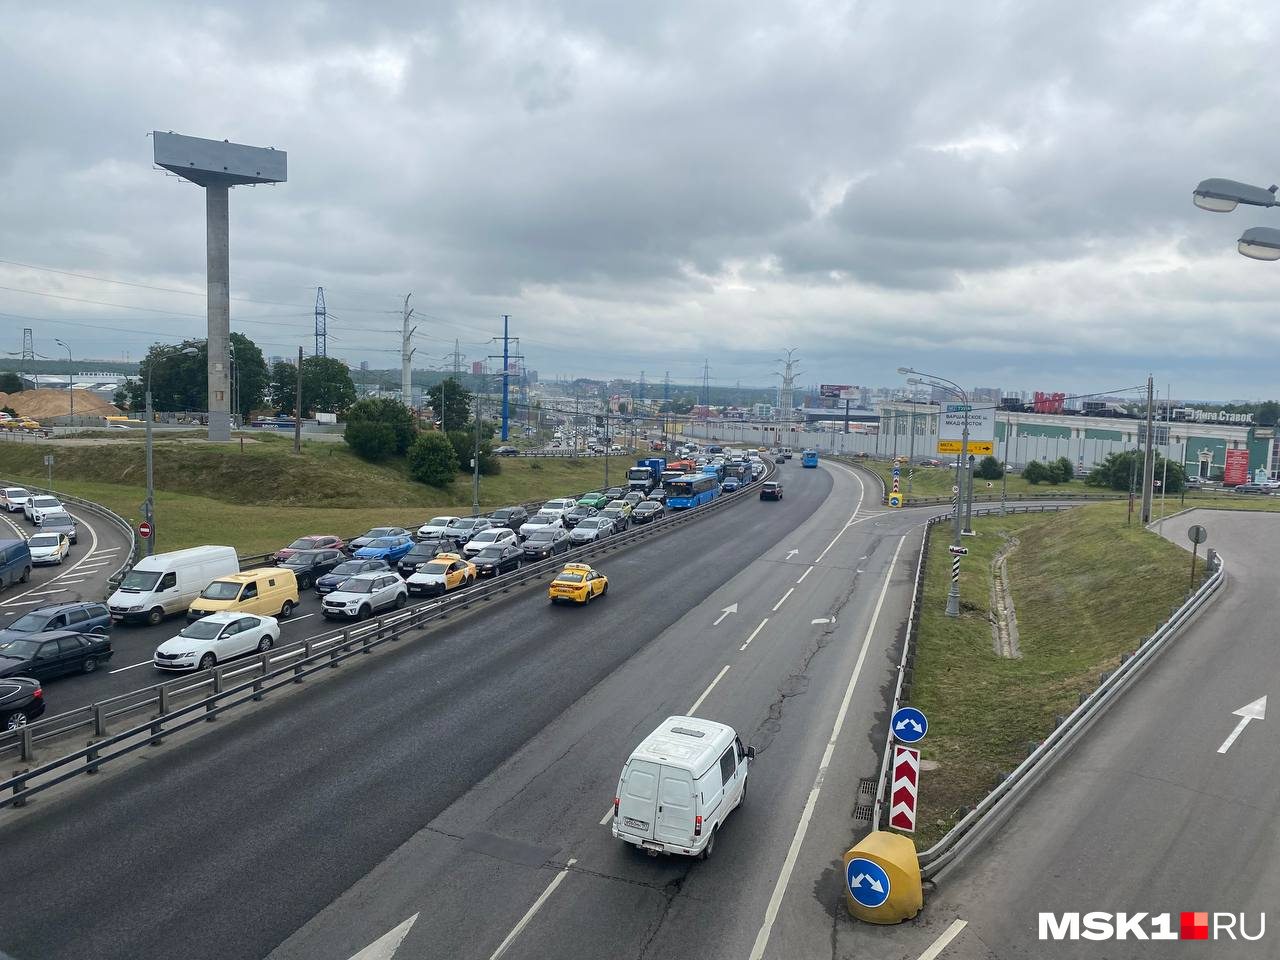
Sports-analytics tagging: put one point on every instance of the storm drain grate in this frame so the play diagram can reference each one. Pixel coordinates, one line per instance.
(864, 806)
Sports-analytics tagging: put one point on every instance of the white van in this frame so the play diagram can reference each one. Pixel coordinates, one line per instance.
(680, 784)
(169, 582)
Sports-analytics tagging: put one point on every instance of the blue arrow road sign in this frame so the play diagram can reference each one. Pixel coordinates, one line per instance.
(909, 725)
(867, 881)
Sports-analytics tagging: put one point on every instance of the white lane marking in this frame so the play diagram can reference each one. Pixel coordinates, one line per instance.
(852, 517)
(537, 905)
(106, 550)
(132, 666)
(697, 703)
(940, 944)
(44, 593)
(753, 634)
(607, 817)
(790, 591)
(805, 574)
(296, 619)
(65, 582)
(385, 947)
(820, 620)
(789, 864)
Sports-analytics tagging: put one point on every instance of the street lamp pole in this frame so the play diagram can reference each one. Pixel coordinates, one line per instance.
(953, 595)
(148, 505)
(71, 371)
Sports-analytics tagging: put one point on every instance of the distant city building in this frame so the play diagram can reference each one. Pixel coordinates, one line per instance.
(477, 367)
(364, 366)
(762, 411)
(985, 395)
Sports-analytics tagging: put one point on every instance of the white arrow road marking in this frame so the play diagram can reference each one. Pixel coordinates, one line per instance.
(537, 905)
(790, 554)
(731, 608)
(1250, 711)
(872, 882)
(385, 947)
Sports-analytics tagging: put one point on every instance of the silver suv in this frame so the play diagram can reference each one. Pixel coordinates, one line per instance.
(361, 596)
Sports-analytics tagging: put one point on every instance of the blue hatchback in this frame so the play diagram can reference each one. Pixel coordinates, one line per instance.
(390, 549)
(80, 617)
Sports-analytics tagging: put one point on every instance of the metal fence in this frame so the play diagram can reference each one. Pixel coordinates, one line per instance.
(177, 704)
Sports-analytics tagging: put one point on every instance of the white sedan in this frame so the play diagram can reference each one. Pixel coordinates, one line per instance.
(216, 638)
(49, 548)
(487, 538)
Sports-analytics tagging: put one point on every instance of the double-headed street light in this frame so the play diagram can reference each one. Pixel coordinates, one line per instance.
(953, 595)
(148, 505)
(1222, 196)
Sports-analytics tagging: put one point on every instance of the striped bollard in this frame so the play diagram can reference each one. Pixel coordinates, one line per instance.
(955, 571)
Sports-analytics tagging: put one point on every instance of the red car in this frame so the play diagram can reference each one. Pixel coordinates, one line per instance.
(319, 542)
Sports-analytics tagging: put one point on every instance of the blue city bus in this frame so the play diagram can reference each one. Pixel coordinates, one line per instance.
(691, 490)
(809, 458)
(715, 469)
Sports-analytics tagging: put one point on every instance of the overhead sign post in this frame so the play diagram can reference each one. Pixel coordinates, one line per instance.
(1197, 535)
(982, 429)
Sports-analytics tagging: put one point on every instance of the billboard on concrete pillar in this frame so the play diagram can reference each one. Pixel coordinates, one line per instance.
(832, 391)
(982, 429)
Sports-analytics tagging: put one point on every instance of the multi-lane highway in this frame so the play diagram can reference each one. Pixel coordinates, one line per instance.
(462, 777)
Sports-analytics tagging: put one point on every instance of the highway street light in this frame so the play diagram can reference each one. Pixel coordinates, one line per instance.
(148, 505)
(1260, 243)
(71, 381)
(1221, 196)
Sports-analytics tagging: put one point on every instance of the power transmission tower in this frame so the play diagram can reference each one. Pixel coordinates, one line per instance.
(457, 360)
(406, 356)
(788, 375)
(506, 357)
(29, 355)
(706, 383)
(322, 334)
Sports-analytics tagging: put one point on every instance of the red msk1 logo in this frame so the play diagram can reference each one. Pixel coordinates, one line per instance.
(1192, 925)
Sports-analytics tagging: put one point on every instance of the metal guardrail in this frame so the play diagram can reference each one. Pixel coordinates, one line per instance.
(95, 508)
(1009, 791)
(177, 704)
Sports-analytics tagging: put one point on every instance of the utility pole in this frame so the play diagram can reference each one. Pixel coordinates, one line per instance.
(706, 382)
(788, 376)
(507, 357)
(406, 356)
(607, 437)
(1148, 463)
(475, 463)
(297, 409)
(322, 331)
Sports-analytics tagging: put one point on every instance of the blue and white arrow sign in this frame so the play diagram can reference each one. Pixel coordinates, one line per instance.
(868, 883)
(909, 725)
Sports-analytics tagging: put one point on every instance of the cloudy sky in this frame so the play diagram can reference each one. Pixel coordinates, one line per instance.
(999, 192)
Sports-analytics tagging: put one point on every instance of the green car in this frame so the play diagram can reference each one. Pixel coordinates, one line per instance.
(597, 500)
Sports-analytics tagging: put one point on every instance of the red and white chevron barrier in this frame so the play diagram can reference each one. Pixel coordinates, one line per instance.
(905, 789)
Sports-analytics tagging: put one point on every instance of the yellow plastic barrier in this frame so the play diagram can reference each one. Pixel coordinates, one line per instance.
(882, 878)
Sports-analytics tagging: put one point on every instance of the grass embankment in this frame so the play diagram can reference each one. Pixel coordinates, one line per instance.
(265, 495)
(938, 481)
(1086, 588)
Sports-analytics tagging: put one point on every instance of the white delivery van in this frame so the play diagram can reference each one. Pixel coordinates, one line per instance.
(680, 784)
(169, 582)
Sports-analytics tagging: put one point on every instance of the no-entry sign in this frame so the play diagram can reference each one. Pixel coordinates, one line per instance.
(144, 530)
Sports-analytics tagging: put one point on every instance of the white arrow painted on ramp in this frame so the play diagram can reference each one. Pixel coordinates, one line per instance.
(1250, 711)
(790, 554)
(385, 947)
(731, 608)
(872, 882)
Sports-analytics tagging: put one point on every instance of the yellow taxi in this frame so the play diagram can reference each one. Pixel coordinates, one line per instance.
(447, 571)
(624, 505)
(578, 582)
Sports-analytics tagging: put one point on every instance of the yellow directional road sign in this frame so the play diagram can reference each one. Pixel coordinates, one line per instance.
(978, 448)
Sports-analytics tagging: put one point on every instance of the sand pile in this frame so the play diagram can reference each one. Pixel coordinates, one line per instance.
(40, 404)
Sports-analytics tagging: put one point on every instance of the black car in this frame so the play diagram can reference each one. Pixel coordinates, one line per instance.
(59, 522)
(21, 701)
(348, 568)
(646, 511)
(618, 516)
(498, 558)
(509, 517)
(507, 451)
(772, 490)
(425, 553)
(546, 542)
(658, 495)
(79, 617)
(310, 565)
(578, 514)
(45, 655)
(615, 493)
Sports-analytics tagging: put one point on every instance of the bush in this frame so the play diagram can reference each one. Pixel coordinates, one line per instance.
(1061, 471)
(432, 460)
(370, 440)
(1035, 472)
(393, 413)
(989, 469)
(463, 442)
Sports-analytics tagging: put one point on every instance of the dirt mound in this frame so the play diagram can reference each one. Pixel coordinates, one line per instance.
(39, 404)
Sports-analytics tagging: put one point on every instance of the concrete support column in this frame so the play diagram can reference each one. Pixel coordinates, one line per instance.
(219, 260)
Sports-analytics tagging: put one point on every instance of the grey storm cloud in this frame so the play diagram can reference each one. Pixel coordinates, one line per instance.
(1000, 190)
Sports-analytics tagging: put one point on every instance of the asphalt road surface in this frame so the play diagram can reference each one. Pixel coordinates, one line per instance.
(463, 780)
(1147, 814)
